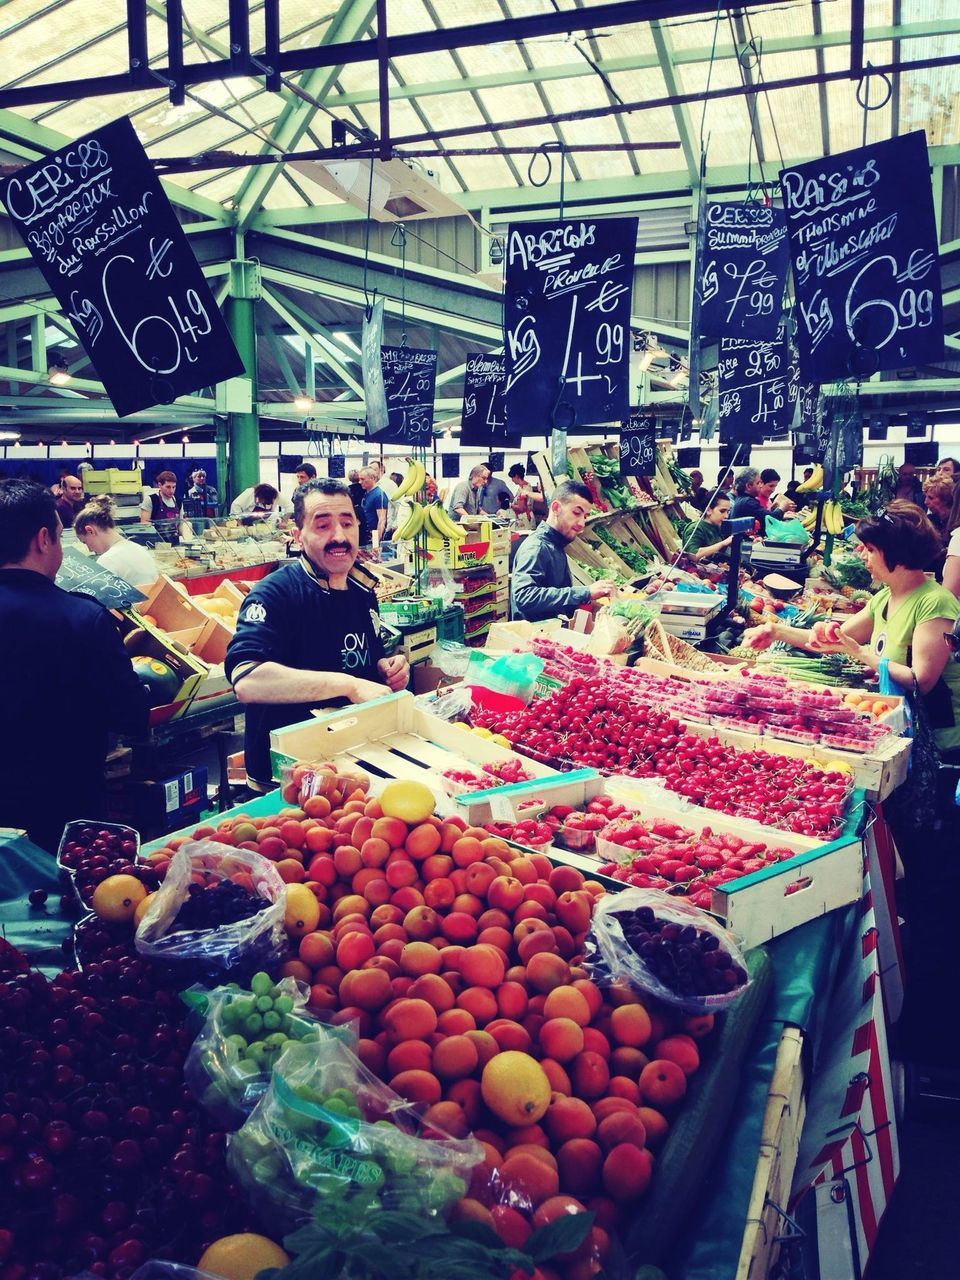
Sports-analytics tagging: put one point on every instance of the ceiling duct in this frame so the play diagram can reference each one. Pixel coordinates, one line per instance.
(398, 193)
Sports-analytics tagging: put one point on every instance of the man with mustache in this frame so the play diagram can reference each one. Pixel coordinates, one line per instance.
(309, 635)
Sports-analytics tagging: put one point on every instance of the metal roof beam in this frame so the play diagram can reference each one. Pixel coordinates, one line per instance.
(352, 20)
(691, 153)
(307, 329)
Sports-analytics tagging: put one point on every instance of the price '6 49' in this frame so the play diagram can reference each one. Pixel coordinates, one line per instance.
(158, 342)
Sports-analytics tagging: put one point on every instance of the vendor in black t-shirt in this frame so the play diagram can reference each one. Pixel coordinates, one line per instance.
(308, 635)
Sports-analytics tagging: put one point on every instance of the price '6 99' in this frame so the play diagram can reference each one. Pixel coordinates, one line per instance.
(157, 342)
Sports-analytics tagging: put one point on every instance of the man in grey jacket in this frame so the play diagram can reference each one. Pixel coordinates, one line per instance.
(541, 585)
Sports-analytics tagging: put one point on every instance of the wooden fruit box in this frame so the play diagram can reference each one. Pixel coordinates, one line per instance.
(779, 1148)
(756, 907)
(390, 737)
(877, 771)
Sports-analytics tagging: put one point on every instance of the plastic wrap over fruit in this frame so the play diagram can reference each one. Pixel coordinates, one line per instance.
(245, 1032)
(665, 948)
(219, 910)
(328, 1133)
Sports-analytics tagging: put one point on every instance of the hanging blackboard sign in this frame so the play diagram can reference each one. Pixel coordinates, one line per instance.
(409, 380)
(916, 426)
(103, 233)
(82, 573)
(745, 259)
(569, 287)
(877, 427)
(483, 416)
(638, 447)
(687, 458)
(733, 453)
(756, 387)
(371, 342)
(495, 462)
(336, 466)
(558, 454)
(863, 242)
(923, 454)
(449, 465)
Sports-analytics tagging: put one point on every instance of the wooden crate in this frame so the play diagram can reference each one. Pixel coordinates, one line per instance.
(779, 1148)
(877, 771)
(756, 907)
(390, 737)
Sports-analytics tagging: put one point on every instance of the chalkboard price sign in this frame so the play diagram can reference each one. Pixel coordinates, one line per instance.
(484, 414)
(82, 573)
(100, 228)
(916, 426)
(863, 241)
(409, 379)
(877, 427)
(638, 447)
(336, 466)
(567, 323)
(450, 465)
(757, 390)
(745, 259)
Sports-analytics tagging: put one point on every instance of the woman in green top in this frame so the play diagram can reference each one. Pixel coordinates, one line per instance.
(705, 543)
(906, 622)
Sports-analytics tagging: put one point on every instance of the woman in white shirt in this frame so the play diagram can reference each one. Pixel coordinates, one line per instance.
(951, 567)
(96, 528)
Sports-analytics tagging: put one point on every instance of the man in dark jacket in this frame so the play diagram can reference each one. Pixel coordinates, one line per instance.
(309, 635)
(541, 584)
(751, 487)
(58, 650)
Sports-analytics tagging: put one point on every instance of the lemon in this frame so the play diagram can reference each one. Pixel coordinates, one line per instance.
(516, 1088)
(241, 1257)
(500, 740)
(302, 913)
(118, 897)
(838, 766)
(411, 802)
(481, 732)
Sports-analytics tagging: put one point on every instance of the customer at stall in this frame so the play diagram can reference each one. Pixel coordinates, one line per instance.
(495, 497)
(705, 542)
(528, 503)
(466, 497)
(163, 508)
(750, 488)
(305, 472)
(541, 585)
(938, 495)
(308, 635)
(97, 529)
(909, 488)
(259, 504)
(201, 501)
(376, 504)
(951, 567)
(356, 497)
(69, 500)
(699, 493)
(904, 623)
(948, 469)
(57, 650)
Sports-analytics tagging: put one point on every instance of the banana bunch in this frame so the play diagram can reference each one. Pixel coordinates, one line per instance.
(833, 518)
(440, 526)
(413, 523)
(414, 479)
(815, 483)
(808, 518)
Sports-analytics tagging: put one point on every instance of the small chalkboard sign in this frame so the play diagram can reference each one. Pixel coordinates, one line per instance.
(866, 267)
(495, 462)
(336, 466)
(82, 573)
(917, 424)
(449, 465)
(638, 447)
(923, 454)
(733, 453)
(877, 427)
(687, 458)
(757, 389)
(483, 416)
(103, 233)
(558, 454)
(567, 306)
(745, 259)
(409, 380)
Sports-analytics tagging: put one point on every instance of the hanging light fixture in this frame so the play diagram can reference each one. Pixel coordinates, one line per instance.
(58, 371)
(302, 402)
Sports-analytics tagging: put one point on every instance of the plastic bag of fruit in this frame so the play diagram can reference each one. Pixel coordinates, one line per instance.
(219, 912)
(665, 948)
(244, 1033)
(328, 1133)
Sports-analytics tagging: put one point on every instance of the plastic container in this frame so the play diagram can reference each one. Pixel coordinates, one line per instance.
(805, 736)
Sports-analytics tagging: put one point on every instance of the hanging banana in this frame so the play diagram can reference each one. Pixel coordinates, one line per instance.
(815, 483)
(413, 479)
(413, 523)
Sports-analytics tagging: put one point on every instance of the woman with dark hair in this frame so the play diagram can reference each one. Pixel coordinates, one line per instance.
(706, 541)
(906, 622)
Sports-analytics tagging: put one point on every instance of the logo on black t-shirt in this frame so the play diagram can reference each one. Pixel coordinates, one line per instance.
(355, 652)
(255, 612)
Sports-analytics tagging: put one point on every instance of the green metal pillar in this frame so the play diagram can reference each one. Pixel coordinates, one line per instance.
(243, 424)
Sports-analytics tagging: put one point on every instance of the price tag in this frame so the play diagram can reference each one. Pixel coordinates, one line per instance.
(638, 447)
(877, 427)
(449, 465)
(558, 454)
(99, 226)
(916, 426)
(409, 381)
(483, 415)
(80, 572)
(495, 462)
(866, 266)
(336, 466)
(744, 271)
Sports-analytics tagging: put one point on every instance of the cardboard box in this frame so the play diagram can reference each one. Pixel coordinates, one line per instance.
(160, 805)
(113, 480)
(173, 610)
(459, 555)
(151, 642)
